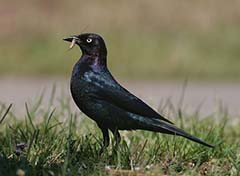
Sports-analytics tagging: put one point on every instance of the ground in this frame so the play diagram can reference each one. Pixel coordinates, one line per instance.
(60, 141)
(208, 96)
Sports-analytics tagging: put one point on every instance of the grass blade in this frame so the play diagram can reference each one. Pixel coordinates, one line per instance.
(29, 116)
(5, 114)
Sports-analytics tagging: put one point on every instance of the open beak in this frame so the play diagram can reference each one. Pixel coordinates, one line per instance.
(72, 39)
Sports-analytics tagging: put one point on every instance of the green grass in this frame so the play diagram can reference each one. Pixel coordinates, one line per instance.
(62, 142)
(171, 55)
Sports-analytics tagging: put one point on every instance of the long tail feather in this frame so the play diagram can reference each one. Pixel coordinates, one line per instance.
(171, 129)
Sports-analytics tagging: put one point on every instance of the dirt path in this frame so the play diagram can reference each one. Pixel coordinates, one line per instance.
(210, 95)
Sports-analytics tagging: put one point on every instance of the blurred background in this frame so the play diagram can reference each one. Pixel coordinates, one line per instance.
(153, 47)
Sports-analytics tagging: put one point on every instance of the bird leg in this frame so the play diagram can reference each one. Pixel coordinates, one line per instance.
(117, 138)
(105, 139)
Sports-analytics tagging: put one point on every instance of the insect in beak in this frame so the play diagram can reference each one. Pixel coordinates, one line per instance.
(72, 44)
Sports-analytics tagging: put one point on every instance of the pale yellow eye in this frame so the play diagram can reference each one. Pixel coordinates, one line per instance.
(89, 40)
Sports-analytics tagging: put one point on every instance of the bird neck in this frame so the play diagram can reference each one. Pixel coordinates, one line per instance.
(94, 61)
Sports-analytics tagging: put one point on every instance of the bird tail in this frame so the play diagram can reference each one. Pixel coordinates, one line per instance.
(164, 127)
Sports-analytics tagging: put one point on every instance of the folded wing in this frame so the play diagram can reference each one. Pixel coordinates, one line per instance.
(119, 96)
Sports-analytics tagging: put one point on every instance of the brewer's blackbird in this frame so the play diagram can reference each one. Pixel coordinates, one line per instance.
(104, 100)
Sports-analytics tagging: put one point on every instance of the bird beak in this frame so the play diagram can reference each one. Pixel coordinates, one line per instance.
(72, 39)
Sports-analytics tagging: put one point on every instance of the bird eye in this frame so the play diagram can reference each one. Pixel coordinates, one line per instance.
(89, 40)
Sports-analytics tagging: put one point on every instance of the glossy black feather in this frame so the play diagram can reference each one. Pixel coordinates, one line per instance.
(103, 99)
(114, 93)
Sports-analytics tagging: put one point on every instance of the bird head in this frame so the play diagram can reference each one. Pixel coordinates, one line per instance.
(90, 44)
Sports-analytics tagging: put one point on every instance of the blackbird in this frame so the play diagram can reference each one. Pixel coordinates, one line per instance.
(104, 100)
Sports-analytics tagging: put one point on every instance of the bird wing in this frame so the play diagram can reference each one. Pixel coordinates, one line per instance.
(116, 94)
